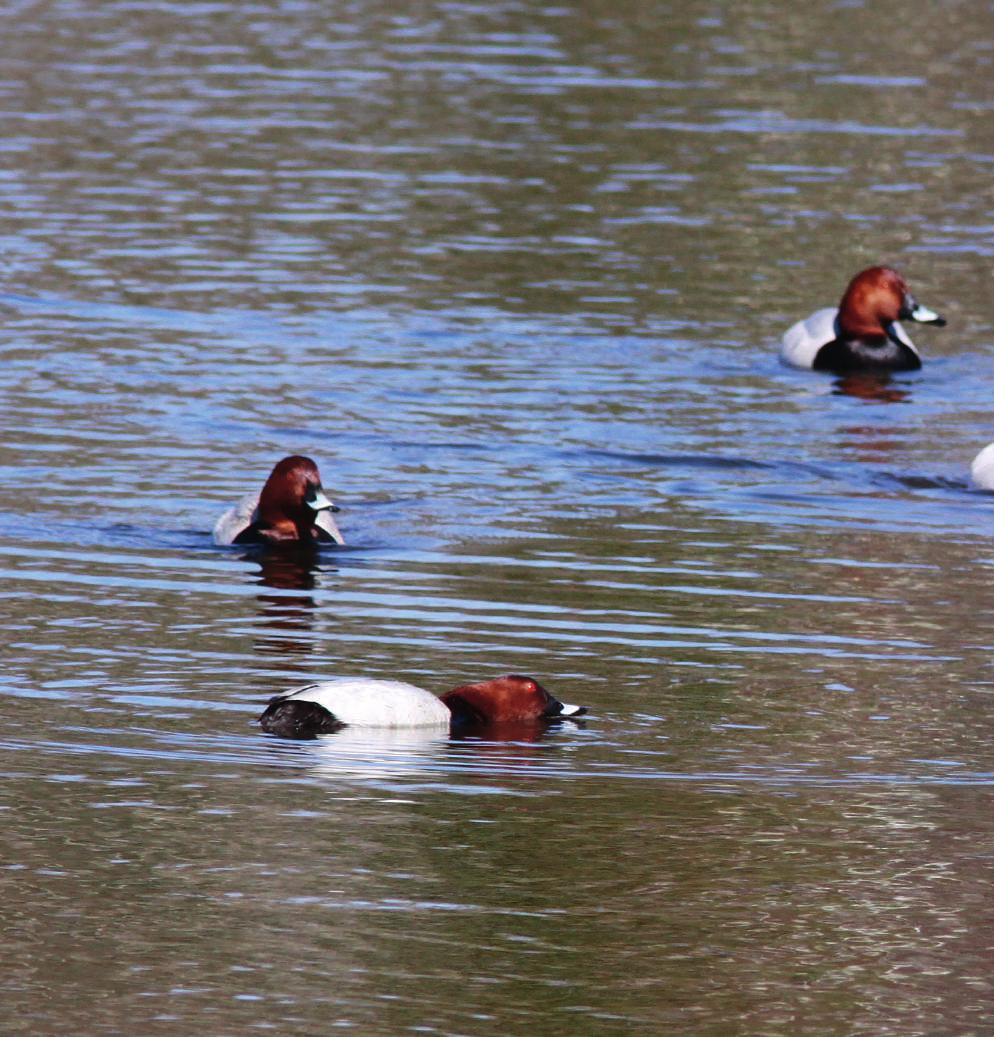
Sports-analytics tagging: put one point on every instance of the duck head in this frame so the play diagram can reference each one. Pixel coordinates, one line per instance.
(503, 700)
(876, 298)
(293, 504)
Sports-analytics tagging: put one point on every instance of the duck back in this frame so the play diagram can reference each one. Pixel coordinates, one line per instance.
(357, 702)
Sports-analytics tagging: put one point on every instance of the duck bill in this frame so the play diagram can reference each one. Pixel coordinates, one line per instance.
(559, 709)
(317, 500)
(923, 314)
(911, 309)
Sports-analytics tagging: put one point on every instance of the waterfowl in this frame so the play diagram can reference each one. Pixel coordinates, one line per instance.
(363, 702)
(982, 468)
(862, 333)
(292, 506)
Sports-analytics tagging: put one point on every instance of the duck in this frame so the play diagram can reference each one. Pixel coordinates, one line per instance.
(862, 333)
(982, 469)
(328, 706)
(291, 507)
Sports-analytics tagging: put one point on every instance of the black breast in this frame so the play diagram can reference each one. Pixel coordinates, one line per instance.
(843, 355)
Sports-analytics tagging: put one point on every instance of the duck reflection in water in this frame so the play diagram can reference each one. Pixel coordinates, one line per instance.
(289, 567)
(501, 738)
(509, 749)
(872, 386)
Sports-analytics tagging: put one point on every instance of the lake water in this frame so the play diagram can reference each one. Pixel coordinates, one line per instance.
(514, 274)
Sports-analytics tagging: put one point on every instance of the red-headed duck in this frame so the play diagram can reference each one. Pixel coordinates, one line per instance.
(982, 469)
(361, 702)
(292, 506)
(863, 333)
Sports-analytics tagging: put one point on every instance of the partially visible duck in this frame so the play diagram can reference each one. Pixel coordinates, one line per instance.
(292, 506)
(363, 702)
(862, 333)
(982, 469)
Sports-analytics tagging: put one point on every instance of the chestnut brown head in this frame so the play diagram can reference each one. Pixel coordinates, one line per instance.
(875, 298)
(504, 700)
(293, 500)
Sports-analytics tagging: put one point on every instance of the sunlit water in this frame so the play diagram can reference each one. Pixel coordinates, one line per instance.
(514, 275)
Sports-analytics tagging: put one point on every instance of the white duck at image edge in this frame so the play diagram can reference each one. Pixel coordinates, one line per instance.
(982, 468)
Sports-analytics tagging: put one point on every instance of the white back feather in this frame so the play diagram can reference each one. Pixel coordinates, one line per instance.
(365, 702)
(237, 518)
(801, 343)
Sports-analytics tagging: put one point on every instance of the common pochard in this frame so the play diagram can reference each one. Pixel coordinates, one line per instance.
(292, 506)
(364, 702)
(862, 333)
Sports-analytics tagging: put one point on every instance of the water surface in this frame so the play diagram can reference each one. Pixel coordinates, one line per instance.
(514, 275)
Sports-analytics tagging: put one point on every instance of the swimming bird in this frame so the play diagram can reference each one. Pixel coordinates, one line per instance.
(366, 702)
(292, 506)
(862, 333)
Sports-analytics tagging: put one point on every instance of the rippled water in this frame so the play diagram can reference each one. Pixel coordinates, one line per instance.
(514, 275)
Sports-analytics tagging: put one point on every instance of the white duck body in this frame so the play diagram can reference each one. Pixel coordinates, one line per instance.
(982, 468)
(801, 343)
(366, 702)
(241, 515)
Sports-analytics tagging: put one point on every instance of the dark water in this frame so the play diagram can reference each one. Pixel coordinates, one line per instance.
(514, 274)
